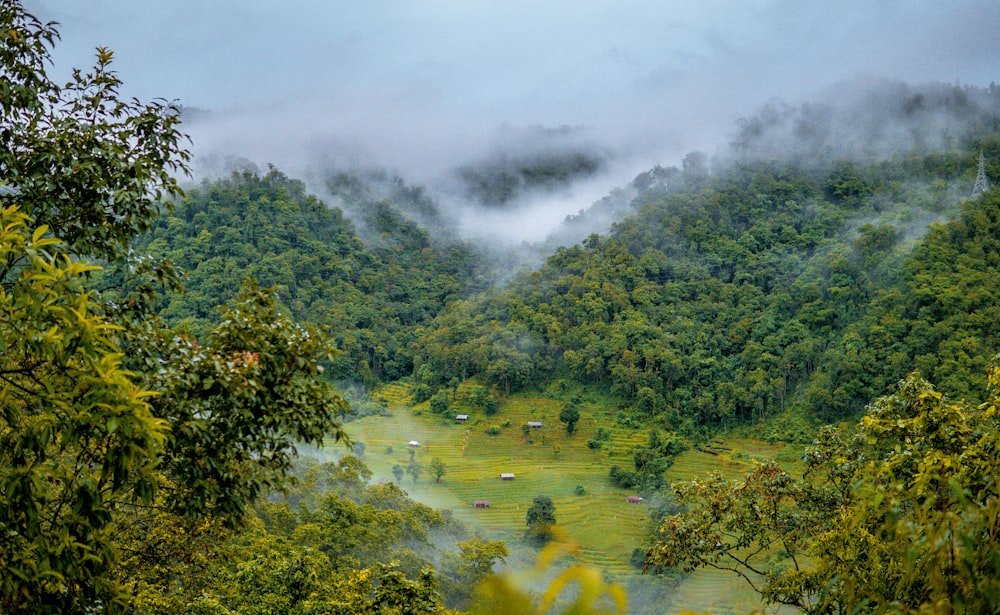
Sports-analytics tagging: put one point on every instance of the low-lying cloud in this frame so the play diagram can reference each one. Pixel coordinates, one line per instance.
(422, 88)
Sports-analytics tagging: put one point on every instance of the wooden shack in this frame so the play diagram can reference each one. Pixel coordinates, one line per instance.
(481, 504)
(634, 499)
(506, 477)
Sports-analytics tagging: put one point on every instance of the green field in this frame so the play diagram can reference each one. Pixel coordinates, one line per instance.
(553, 463)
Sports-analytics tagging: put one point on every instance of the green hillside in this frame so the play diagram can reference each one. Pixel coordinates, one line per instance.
(759, 291)
(764, 290)
(371, 299)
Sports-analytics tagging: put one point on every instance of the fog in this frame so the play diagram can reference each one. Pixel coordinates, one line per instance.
(423, 88)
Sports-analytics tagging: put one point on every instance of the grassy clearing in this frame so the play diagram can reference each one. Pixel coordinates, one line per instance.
(550, 462)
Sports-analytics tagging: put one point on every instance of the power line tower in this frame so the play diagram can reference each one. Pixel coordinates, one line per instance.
(982, 185)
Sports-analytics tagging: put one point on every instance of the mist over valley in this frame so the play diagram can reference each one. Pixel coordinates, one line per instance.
(462, 102)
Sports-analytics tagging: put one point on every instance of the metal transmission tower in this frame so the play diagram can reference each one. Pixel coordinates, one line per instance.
(982, 185)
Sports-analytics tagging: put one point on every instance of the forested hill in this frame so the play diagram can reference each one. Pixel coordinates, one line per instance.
(371, 298)
(760, 290)
(753, 291)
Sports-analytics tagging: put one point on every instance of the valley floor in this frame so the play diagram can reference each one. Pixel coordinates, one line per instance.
(601, 520)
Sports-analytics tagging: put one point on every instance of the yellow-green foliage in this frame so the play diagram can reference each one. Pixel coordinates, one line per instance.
(66, 401)
(895, 515)
(510, 594)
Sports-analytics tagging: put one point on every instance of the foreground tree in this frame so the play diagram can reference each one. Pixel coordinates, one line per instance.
(77, 434)
(900, 514)
(519, 594)
(237, 403)
(81, 160)
(106, 417)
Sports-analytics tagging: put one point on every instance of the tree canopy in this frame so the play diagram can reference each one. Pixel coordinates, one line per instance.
(107, 416)
(897, 514)
(81, 160)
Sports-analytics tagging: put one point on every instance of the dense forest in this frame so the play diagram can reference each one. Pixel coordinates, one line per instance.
(150, 439)
(765, 289)
(768, 289)
(371, 297)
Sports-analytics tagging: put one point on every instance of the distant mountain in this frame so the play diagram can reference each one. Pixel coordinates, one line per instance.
(869, 120)
(529, 161)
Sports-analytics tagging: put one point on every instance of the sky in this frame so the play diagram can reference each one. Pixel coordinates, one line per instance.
(421, 85)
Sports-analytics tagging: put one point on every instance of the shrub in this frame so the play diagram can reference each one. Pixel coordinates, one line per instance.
(439, 403)
(422, 393)
(623, 478)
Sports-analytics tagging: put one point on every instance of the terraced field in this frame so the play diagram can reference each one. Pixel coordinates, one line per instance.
(548, 462)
